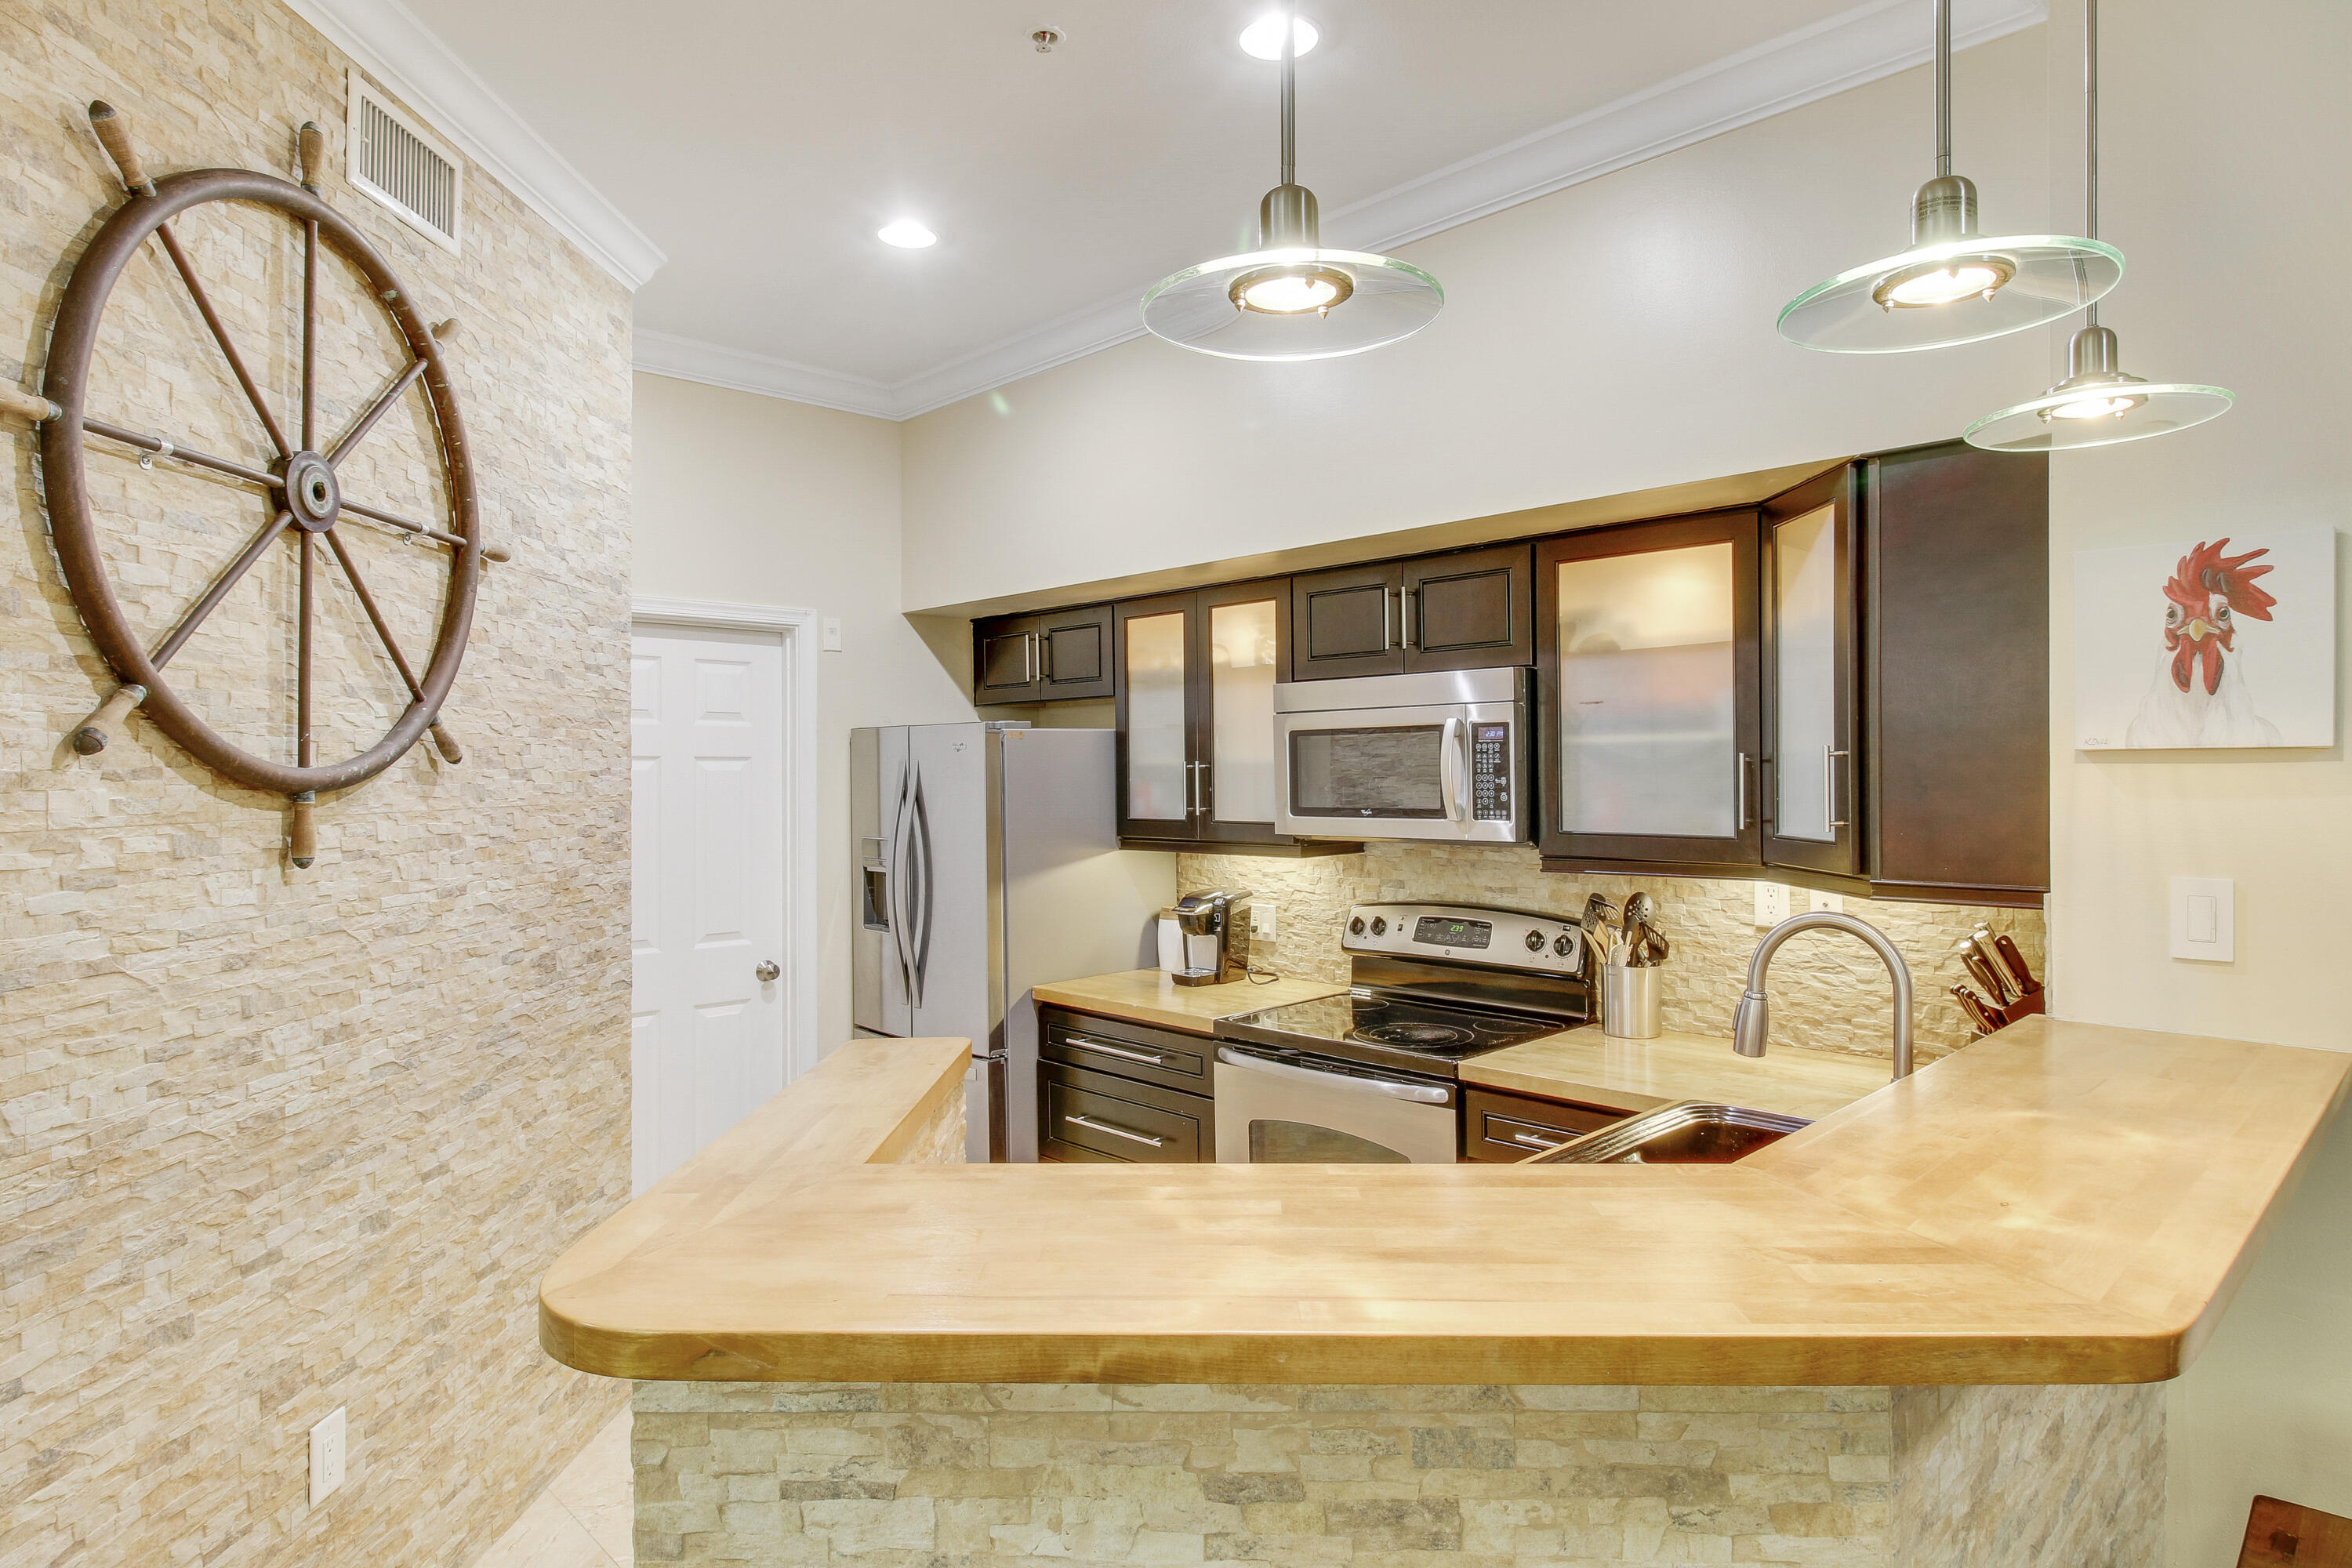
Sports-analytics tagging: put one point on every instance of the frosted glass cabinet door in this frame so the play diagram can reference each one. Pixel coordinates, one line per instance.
(1810, 774)
(1242, 645)
(1157, 774)
(1649, 640)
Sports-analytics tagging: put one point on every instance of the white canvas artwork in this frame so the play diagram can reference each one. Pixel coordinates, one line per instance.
(2213, 641)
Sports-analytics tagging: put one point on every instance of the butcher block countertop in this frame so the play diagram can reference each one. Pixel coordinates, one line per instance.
(2061, 1202)
(1148, 996)
(1587, 1066)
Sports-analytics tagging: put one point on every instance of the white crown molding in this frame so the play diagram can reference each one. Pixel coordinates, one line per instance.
(405, 57)
(692, 359)
(1832, 55)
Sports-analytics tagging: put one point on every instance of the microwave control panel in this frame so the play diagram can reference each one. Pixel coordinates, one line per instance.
(1490, 772)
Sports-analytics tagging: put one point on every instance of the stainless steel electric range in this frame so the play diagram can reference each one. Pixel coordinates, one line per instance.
(1373, 1077)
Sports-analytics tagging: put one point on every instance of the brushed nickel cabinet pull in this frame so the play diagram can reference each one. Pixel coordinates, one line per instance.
(1077, 1121)
(1115, 1050)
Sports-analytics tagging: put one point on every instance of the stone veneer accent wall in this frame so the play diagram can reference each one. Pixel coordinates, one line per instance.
(1008, 1476)
(275, 1141)
(1828, 990)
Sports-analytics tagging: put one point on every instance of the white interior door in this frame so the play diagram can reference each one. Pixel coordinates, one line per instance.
(709, 1011)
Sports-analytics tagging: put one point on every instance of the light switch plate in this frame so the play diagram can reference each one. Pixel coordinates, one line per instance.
(1833, 902)
(2205, 919)
(1260, 920)
(832, 631)
(1771, 903)
(326, 1457)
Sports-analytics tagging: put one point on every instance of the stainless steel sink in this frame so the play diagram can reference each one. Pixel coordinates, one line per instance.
(1688, 1132)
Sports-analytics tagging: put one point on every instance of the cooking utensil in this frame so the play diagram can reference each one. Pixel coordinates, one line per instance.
(1639, 910)
(2014, 962)
(1987, 973)
(1598, 915)
(1979, 1014)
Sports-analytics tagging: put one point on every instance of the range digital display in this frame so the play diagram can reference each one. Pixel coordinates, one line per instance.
(1452, 933)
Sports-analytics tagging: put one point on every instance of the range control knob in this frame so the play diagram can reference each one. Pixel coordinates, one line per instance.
(1561, 947)
(1535, 941)
(1379, 926)
(1356, 926)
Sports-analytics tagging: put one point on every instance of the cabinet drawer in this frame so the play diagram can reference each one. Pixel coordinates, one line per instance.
(1505, 1127)
(1103, 1116)
(1174, 1061)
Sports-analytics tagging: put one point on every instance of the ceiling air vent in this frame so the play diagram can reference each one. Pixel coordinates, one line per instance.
(400, 163)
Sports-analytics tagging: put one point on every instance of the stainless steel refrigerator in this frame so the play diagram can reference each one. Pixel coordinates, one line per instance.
(988, 862)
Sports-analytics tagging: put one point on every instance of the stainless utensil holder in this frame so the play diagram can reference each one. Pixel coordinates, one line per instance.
(1632, 1001)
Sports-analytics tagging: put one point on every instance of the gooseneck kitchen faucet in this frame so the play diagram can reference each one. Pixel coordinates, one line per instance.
(1753, 1020)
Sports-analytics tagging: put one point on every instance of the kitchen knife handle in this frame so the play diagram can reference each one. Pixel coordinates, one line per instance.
(2014, 960)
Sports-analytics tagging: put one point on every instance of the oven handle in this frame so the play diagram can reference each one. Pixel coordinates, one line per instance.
(1420, 1093)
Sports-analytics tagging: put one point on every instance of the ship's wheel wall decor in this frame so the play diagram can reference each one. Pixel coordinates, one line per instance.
(299, 493)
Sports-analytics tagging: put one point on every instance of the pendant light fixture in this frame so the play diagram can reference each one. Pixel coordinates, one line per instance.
(2098, 405)
(1954, 285)
(1290, 298)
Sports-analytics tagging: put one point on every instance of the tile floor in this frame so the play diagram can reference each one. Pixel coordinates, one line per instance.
(582, 1519)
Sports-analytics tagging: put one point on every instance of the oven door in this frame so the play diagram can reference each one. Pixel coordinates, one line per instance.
(1278, 1107)
(1450, 773)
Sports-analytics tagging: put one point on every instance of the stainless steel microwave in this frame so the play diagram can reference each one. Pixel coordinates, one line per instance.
(1441, 756)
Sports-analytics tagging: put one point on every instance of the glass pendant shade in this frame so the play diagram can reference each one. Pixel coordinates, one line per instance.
(1953, 286)
(1292, 299)
(2098, 405)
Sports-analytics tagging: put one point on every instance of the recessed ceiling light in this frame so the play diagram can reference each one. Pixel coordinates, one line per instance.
(1262, 39)
(905, 234)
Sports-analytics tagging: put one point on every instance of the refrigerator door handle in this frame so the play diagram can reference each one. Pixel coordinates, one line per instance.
(919, 844)
(896, 885)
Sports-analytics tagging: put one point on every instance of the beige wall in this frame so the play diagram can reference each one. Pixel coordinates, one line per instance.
(1611, 337)
(273, 1142)
(756, 500)
(2213, 118)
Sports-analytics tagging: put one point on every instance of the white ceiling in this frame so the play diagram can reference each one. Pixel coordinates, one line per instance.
(760, 143)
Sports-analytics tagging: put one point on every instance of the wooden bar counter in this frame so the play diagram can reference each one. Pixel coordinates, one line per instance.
(2061, 1204)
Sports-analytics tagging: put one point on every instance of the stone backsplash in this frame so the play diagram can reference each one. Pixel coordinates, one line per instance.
(1828, 990)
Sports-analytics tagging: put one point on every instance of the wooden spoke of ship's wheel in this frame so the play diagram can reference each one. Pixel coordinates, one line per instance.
(219, 590)
(162, 447)
(395, 519)
(220, 335)
(359, 432)
(310, 344)
(441, 736)
(304, 752)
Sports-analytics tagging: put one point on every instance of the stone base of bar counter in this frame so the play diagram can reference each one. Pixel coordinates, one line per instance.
(1023, 1475)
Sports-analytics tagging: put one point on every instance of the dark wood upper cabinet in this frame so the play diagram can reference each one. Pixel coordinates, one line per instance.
(1195, 689)
(1895, 663)
(1957, 673)
(1809, 800)
(1650, 709)
(1059, 656)
(1467, 610)
(1347, 622)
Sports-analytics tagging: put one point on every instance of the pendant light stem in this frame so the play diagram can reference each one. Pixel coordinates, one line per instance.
(1943, 88)
(1290, 94)
(2091, 132)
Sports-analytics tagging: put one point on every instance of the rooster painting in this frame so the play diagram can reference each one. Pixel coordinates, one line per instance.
(2200, 695)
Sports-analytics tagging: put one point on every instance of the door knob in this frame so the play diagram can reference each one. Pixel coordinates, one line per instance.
(767, 971)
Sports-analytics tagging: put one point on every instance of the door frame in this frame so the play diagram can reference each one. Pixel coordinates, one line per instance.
(795, 630)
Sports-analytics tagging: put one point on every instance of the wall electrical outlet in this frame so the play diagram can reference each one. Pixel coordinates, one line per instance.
(1771, 903)
(326, 1457)
(831, 632)
(2205, 919)
(1260, 920)
(1833, 902)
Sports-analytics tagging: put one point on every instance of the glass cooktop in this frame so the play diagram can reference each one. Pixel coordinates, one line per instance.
(1426, 1036)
